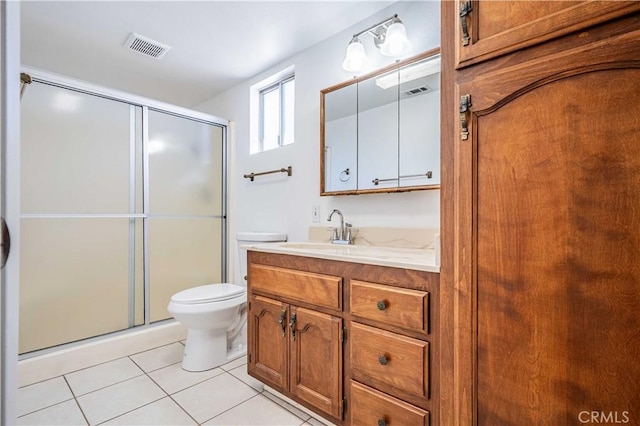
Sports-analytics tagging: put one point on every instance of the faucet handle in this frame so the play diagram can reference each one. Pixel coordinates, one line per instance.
(347, 232)
(335, 234)
(351, 234)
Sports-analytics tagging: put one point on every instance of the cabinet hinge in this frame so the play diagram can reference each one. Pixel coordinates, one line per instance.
(465, 107)
(344, 407)
(344, 335)
(465, 10)
(249, 358)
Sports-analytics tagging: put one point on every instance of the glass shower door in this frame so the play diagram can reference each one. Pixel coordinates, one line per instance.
(81, 217)
(185, 206)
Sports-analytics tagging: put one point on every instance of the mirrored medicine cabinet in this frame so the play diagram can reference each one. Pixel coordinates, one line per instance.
(381, 132)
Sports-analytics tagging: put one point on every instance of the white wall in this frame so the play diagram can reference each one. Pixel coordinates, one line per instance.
(280, 203)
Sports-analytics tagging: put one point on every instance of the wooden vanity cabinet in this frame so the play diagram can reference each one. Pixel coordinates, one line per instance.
(364, 350)
(296, 350)
(541, 249)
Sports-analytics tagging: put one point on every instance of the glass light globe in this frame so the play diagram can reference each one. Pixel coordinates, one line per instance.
(396, 42)
(356, 57)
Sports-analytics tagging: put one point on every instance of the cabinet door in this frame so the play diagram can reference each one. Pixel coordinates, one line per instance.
(316, 363)
(549, 211)
(268, 344)
(494, 27)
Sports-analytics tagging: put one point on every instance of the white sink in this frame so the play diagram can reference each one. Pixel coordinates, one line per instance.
(309, 245)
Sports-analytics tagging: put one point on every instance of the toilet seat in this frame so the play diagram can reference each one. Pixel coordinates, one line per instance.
(208, 293)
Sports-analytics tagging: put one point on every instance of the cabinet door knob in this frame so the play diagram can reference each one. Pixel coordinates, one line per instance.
(382, 422)
(382, 305)
(382, 359)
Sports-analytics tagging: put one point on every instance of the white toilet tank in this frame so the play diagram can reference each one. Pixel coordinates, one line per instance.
(248, 238)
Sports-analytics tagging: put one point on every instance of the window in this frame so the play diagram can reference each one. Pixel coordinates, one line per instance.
(276, 115)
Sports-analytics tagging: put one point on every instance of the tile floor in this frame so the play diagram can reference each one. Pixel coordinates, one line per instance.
(150, 388)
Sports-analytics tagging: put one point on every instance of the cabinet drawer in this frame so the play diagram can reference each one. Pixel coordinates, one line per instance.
(382, 358)
(392, 305)
(370, 407)
(308, 287)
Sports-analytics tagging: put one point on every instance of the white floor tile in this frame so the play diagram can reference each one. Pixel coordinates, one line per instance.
(115, 400)
(66, 413)
(316, 422)
(241, 374)
(258, 411)
(235, 363)
(44, 394)
(284, 404)
(173, 378)
(159, 357)
(164, 412)
(103, 375)
(214, 396)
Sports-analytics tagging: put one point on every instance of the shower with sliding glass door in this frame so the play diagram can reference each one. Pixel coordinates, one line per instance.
(123, 203)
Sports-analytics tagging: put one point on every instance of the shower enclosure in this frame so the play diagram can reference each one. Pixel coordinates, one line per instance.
(123, 203)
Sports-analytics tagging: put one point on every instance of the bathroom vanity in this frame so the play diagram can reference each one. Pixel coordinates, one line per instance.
(348, 332)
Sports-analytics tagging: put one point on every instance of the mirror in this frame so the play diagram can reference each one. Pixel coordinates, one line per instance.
(381, 132)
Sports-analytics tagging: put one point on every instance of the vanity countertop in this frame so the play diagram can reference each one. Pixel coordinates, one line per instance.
(396, 257)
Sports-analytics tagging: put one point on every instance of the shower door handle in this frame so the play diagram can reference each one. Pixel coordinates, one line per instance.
(5, 247)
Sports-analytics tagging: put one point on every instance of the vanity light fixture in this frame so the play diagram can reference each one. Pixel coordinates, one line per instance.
(390, 36)
(409, 73)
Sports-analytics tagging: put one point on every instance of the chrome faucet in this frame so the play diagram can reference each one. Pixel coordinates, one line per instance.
(342, 234)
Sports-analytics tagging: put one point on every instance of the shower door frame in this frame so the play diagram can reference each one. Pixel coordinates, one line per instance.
(9, 204)
(146, 104)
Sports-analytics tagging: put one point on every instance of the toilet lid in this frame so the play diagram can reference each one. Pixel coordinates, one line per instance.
(208, 293)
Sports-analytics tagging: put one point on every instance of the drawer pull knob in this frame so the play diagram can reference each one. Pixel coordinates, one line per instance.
(382, 359)
(382, 422)
(382, 305)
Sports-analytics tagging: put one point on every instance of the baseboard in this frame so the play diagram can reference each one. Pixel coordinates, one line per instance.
(67, 360)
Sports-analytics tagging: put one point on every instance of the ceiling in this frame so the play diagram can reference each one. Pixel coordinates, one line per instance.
(214, 44)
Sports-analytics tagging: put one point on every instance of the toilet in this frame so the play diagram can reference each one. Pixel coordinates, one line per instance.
(215, 315)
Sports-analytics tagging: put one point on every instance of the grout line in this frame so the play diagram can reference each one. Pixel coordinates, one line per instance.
(171, 398)
(144, 405)
(44, 408)
(75, 399)
(231, 408)
(52, 405)
(132, 410)
(108, 386)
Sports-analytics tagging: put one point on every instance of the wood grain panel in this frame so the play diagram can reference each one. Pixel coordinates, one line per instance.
(500, 27)
(268, 348)
(407, 360)
(318, 289)
(316, 360)
(399, 306)
(558, 251)
(370, 407)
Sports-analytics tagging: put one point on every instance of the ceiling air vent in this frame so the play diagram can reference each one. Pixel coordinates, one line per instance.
(146, 46)
(421, 89)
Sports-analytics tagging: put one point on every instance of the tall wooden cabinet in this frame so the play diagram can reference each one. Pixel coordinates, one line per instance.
(540, 275)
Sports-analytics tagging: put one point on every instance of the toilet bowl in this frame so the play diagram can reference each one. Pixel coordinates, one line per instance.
(215, 315)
